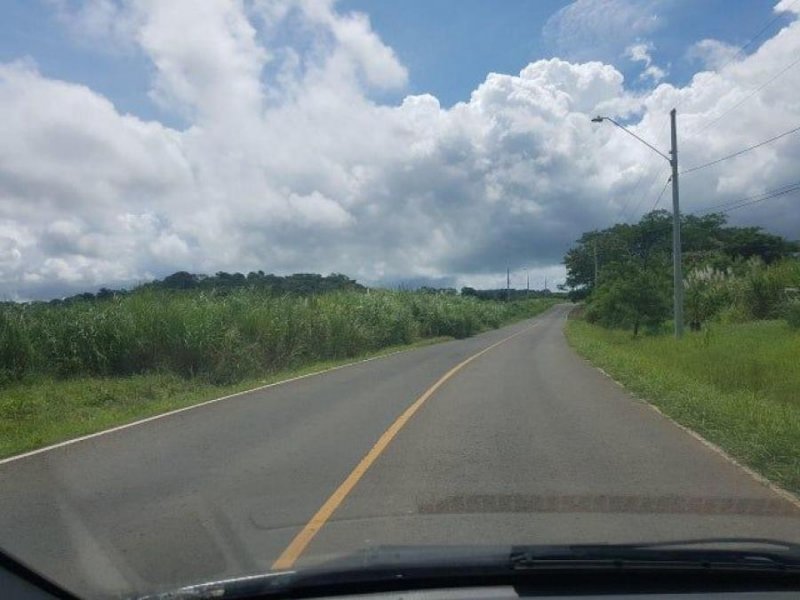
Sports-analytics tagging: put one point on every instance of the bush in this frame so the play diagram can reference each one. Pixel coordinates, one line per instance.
(749, 291)
(793, 314)
(631, 297)
(761, 291)
(707, 292)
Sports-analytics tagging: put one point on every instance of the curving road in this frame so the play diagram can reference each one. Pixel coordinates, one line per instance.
(523, 443)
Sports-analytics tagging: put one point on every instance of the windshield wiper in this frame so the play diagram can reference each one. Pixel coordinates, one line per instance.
(407, 566)
(704, 553)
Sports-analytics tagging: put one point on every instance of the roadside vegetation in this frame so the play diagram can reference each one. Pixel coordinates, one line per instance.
(735, 384)
(70, 368)
(735, 376)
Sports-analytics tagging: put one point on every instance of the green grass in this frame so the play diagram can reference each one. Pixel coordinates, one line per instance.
(280, 338)
(736, 385)
(46, 411)
(224, 338)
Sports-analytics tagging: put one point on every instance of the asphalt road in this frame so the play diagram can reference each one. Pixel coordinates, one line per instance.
(527, 443)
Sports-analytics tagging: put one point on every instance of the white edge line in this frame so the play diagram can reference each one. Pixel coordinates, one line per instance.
(201, 404)
(774, 487)
(193, 406)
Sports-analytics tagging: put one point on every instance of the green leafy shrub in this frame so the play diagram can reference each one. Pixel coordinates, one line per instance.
(793, 314)
(707, 292)
(630, 297)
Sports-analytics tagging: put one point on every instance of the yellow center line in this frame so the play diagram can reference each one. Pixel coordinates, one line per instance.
(293, 551)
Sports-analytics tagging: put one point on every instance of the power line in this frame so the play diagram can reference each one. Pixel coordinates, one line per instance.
(735, 204)
(748, 149)
(756, 36)
(747, 44)
(639, 181)
(778, 189)
(633, 193)
(746, 98)
(733, 57)
(658, 175)
(661, 193)
(730, 206)
(744, 204)
(740, 49)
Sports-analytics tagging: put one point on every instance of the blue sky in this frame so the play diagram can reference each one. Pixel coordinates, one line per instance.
(439, 141)
(448, 47)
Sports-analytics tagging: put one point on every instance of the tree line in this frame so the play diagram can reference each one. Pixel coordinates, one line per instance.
(297, 284)
(624, 272)
(507, 294)
(223, 282)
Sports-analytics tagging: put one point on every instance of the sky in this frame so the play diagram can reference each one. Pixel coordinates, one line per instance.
(400, 143)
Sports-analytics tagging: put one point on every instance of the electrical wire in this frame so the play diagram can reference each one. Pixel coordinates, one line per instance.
(748, 149)
(661, 193)
(639, 181)
(746, 98)
(733, 57)
(658, 175)
(757, 35)
(632, 194)
(741, 202)
(745, 204)
(741, 49)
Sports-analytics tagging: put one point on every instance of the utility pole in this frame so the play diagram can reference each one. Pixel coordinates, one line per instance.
(508, 285)
(595, 263)
(527, 283)
(545, 283)
(677, 267)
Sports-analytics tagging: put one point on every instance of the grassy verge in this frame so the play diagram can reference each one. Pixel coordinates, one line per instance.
(737, 385)
(42, 410)
(46, 411)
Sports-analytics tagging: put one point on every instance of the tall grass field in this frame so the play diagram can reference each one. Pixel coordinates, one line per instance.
(738, 385)
(68, 370)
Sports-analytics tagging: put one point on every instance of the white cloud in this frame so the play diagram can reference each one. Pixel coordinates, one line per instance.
(713, 54)
(357, 44)
(288, 165)
(600, 29)
(787, 6)
(106, 22)
(207, 60)
(642, 52)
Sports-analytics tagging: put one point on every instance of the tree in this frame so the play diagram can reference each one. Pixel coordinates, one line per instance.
(746, 242)
(182, 280)
(706, 242)
(631, 296)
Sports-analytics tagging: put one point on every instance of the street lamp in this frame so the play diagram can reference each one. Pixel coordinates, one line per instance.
(677, 273)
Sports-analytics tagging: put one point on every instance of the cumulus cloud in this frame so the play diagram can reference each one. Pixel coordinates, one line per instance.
(600, 29)
(642, 52)
(713, 54)
(286, 163)
(98, 21)
(787, 6)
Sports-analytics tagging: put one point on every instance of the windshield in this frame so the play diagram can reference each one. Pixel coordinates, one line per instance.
(282, 281)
